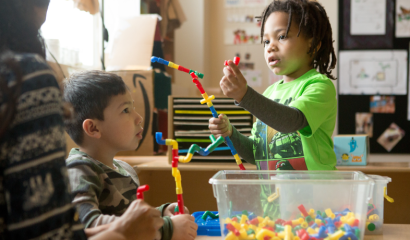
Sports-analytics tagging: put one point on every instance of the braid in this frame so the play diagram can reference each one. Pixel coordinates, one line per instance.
(313, 24)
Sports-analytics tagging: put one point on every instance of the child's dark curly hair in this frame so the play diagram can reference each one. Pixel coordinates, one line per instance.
(313, 24)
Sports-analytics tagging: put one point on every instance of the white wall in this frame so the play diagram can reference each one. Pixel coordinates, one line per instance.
(189, 47)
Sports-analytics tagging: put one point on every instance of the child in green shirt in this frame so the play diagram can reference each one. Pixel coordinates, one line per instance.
(295, 116)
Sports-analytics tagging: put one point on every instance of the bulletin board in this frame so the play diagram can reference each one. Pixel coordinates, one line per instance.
(373, 73)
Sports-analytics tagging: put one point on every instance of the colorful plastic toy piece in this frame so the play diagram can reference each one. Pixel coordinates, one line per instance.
(141, 190)
(175, 159)
(175, 66)
(208, 101)
(274, 196)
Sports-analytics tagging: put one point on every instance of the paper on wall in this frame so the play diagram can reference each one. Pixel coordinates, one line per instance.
(373, 72)
(368, 17)
(402, 18)
(245, 3)
(253, 77)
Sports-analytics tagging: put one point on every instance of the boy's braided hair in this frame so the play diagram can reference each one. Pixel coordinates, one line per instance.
(313, 23)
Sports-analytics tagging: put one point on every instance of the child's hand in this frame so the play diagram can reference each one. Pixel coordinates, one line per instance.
(169, 211)
(220, 126)
(184, 227)
(233, 84)
(140, 221)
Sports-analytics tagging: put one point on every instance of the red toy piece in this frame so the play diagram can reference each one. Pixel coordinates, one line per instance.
(279, 221)
(241, 166)
(302, 209)
(288, 223)
(230, 227)
(255, 221)
(355, 223)
(180, 204)
(141, 190)
(236, 60)
(197, 83)
(181, 68)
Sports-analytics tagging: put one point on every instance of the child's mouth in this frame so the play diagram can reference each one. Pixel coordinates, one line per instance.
(139, 135)
(273, 62)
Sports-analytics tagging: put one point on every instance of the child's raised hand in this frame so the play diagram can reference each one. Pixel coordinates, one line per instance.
(233, 84)
(184, 227)
(220, 126)
(169, 210)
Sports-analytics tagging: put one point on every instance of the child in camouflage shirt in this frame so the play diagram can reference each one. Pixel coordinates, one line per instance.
(105, 123)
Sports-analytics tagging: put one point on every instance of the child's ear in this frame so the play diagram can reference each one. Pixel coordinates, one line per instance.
(318, 45)
(90, 128)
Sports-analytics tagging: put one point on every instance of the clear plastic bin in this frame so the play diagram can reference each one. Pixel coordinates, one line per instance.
(275, 198)
(375, 209)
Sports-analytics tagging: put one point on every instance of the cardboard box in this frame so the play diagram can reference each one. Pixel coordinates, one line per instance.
(140, 83)
(351, 150)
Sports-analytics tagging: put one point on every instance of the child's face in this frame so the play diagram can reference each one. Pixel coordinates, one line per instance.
(121, 128)
(285, 56)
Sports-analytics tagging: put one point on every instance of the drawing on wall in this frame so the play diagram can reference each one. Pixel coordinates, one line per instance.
(364, 123)
(391, 136)
(245, 3)
(253, 77)
(402, 18)
(368, 17)
(373, 72)
(382, 104)
(242, 36)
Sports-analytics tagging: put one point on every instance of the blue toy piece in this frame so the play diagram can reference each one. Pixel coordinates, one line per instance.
(208, 227)
(158, 138)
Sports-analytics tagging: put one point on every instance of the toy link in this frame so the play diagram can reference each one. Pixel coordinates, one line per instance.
(207, 99)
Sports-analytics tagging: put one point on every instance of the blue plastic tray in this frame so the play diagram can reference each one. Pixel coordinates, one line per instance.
(210, 227)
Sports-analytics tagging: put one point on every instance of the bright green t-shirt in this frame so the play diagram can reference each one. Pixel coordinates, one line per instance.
(310, 148)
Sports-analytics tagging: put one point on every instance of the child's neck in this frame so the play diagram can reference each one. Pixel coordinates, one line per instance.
(296, 74)
(103, 154)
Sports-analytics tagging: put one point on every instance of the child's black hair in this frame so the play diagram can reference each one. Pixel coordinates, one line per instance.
(313, 23)
(89, 93)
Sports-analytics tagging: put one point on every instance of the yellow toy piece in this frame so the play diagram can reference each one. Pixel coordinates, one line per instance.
(263, 233)
(387, 197)
(312, 213)
(185, 159)
(172, 142)
(336, 235)
(231, 236)
(329, 213)
(274, 196)
(244, 218)
(374, 218)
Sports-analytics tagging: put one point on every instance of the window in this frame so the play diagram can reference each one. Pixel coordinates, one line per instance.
(73, 36)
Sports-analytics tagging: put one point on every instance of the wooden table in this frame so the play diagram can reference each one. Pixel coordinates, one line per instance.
(198, 193)
(390, 232)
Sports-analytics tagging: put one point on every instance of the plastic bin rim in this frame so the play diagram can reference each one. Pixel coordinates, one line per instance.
(378, 178)
(214, 180)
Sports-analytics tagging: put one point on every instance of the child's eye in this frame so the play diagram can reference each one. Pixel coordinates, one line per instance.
(266, 42)
(126, 110)
(281, 37)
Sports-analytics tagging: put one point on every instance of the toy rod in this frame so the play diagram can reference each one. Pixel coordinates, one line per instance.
(176, 66)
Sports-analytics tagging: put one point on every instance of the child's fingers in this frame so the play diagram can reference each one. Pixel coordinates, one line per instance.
(216, 121)
(236, 71)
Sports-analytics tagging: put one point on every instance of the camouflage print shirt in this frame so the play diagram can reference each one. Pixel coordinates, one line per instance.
(101, 193)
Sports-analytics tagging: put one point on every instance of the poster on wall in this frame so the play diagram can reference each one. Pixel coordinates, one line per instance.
(368, 17)
(253, 77)
(239, 36)
(402, 18)
(245, 3)
(359, 40)
(373, 72)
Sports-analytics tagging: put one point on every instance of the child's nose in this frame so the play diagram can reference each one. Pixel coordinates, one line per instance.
(138, 118)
